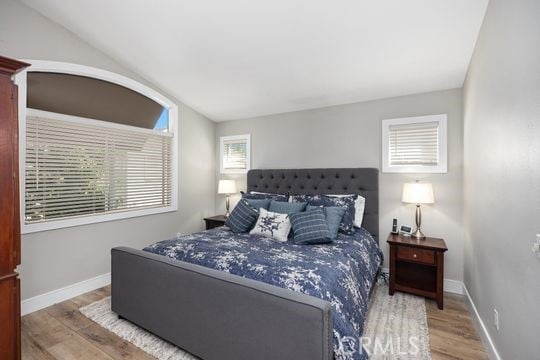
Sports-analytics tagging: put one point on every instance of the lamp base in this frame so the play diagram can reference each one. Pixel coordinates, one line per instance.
(418, 234)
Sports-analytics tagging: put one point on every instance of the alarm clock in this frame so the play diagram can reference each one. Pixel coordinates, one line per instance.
(405, 230)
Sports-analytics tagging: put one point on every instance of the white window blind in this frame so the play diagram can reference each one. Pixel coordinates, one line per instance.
(80, 167)
(414, 144)
(235, 153)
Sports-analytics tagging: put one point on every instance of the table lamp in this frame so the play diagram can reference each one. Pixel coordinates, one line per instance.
(227, 187)
(418, 193)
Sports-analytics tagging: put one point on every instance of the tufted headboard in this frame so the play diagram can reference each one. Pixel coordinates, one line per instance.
(361, 181)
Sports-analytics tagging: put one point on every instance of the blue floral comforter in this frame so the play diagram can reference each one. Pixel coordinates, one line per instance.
(342, 272)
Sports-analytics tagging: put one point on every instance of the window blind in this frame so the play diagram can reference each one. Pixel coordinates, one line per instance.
(235, 154)
(77, 169)
(414, 144)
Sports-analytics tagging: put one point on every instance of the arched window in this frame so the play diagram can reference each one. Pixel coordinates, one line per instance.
(94, 146)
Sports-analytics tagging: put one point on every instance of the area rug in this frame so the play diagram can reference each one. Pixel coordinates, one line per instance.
(396, 328)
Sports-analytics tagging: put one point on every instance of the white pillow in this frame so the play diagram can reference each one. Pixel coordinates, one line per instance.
(359, 208)
(271, 224)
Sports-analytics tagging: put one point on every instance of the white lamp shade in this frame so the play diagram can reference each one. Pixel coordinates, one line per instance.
(226, 187)
(417, 193)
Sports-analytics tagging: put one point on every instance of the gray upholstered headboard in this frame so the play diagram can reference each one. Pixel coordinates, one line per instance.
(361, 181)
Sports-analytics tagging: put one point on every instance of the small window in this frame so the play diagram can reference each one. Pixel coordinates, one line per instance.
(235, 154)
(414, 145)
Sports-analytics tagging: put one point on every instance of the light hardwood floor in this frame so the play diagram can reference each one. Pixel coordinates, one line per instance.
(452, 334)
(62, 332)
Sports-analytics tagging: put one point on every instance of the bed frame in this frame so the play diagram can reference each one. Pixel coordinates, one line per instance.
(217, 315)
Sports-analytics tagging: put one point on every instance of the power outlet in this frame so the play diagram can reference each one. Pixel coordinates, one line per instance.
(536, 245)
(496, 319)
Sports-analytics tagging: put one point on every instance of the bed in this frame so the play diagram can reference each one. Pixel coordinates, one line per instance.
(220, 295)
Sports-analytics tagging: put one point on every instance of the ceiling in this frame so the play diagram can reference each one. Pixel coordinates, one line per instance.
(245, 58)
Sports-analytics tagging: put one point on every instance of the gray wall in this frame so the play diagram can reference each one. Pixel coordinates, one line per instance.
(350, 136)
(57, 258)
(502, 175)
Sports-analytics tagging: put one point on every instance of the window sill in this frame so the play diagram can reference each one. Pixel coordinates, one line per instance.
(441, 169)
(92, 219)
(235, 171)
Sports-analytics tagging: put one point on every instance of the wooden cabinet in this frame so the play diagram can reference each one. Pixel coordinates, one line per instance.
(214, 221)
(417, 266)
(10, 244)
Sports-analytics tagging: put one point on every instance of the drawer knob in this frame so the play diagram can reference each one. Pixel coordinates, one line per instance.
(414, 256)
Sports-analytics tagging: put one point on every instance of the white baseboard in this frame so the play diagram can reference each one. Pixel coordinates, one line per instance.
(450, 285)
(481, 327)
(53, 297)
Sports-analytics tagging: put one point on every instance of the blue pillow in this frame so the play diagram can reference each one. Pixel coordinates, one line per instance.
(345, 202)
(287, 207)
(333, 215)
(242, 217)
(259, 203)
(275, 197)
(310, 227)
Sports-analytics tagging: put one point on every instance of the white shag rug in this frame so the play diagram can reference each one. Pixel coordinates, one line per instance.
(396, 328)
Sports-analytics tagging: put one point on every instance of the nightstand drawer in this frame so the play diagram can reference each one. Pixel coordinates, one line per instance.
(416, 255)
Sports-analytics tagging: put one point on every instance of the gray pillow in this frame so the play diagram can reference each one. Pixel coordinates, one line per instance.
(287, 207)
(333, 215)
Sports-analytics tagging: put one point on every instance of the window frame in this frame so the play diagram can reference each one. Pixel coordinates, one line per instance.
(222, 140)
(81, 70)
(441, 167)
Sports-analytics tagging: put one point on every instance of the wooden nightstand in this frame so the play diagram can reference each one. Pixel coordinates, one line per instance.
(214, 221)
(417, 266)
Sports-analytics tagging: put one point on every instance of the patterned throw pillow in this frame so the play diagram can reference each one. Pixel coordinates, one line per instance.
(259, 195)
(333, 215)
(345, 202)
(359, 207)
(242, 217)
(274, 225)
(259, 203)
(310, 227)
